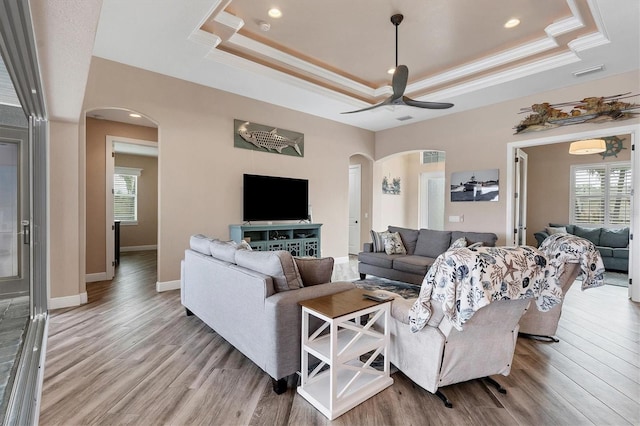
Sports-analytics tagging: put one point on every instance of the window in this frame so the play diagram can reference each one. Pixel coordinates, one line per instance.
(601, 194)
(125, 194)
(432, 157)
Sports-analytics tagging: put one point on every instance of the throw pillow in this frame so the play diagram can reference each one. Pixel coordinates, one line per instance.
(279, 265)
(475, 245)
(200, 243)
(616, 238)
(409, 237)
(556, 230)
(459, 243)
(377, 238)
(591, 234)
(314, 271)
(393, 244)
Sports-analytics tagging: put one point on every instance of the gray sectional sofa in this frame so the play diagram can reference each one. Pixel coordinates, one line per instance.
(422, 247)
(250, 298)
(613, 244)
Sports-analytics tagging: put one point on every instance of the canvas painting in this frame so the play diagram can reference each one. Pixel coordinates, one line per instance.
(259, 137)
(477, 185)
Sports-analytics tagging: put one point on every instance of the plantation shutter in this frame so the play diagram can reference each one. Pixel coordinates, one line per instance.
(125, 194)
(601, 194)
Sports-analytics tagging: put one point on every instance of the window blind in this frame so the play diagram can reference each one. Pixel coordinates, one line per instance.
(125, 197)
(601, 194)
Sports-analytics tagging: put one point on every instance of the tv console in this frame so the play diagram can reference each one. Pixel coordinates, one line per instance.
(300, 239)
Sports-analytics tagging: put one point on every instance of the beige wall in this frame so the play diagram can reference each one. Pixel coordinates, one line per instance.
(548, 182)
(145, 232)
(97, 131)
(477, 140)
(64, 211)
(394, 207)
(200, 172)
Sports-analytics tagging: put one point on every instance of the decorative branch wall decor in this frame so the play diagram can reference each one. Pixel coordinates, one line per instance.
(589, 110)
(259, 137)
(392, 187)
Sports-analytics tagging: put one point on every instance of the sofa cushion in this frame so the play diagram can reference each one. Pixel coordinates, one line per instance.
(393, 244)
(277, 264)
(570, 228)
(377, 239)
(223, 250)
(605, 251)
(200, 243)
(591, 234)
(409, 237)
(314, 271)
(617, 238)
(487, 238)
(413, 264)
(382, 260)
(432, 243)
(621, 253)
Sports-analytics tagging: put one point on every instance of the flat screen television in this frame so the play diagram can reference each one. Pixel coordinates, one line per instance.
(274, 198)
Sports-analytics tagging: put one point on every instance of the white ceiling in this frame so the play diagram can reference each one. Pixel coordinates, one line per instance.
(324, 58)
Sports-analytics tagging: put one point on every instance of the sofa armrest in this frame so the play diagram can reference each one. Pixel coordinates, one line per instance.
(282, 317)
(367, 247)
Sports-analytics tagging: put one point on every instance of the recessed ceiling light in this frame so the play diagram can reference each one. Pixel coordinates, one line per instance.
(274, 12)
(391, 71)
(134, 115)
(513, 22)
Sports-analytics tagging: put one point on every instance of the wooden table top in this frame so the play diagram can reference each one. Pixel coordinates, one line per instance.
(339, 304)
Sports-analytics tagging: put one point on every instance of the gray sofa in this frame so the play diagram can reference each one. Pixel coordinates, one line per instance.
(250, 298)
(422, 246)
(613, 244)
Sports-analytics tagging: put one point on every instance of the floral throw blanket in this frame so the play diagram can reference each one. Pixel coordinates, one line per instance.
(464, 280)
(566, 248)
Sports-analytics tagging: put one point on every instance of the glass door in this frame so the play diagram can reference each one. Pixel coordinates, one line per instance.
(14, 213)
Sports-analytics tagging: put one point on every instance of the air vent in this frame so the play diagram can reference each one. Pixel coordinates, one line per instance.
(404, 118)
(585, 71)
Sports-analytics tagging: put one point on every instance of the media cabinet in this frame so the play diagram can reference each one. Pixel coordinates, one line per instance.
(300, 239)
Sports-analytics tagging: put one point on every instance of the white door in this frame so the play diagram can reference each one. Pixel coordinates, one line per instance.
(432, 195)
(354, 208)
(15, 236)
(520, 199)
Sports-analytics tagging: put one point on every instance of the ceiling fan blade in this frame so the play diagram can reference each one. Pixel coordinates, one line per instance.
(399, 82)
(385, 102)
(428, 105)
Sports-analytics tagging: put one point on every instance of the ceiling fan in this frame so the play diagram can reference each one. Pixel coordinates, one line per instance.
(399, 84)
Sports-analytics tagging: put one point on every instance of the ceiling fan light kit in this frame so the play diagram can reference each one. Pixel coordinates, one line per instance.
(399, 84)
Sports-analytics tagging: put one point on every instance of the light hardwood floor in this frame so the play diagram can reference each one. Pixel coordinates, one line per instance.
(131, 356)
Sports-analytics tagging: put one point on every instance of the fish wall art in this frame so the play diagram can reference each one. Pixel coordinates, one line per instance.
(259, 137)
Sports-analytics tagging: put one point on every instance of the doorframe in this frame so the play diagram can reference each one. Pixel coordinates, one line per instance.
(634, 131)
(109, 172)
(520, 196)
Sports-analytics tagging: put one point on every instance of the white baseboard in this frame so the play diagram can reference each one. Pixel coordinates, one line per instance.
(342, 259)
(68, 301)
(139, 248)
(167, 285)
(99, 276)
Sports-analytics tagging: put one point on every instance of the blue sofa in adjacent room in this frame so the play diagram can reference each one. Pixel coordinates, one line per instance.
(613, 244)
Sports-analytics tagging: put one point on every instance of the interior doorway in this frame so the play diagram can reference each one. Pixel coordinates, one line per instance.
(432, 193)
(15, 214)
(520, 198)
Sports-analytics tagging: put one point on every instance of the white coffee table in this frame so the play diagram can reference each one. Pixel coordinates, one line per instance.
(343, 378)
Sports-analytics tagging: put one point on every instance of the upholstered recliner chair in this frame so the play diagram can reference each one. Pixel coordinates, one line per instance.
(576, 256)
(464, 324)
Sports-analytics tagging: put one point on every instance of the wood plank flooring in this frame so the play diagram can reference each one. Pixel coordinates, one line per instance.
(131, 356)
